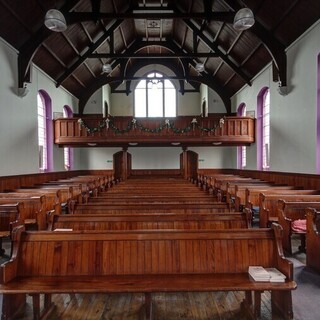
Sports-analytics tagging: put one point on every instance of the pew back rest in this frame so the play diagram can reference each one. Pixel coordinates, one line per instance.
(9, 214)
(150, 221)
(268, 204)
(51, 199)
(33, 206)
(294, 210)
(144, 252)
(252, 197)
(240, 192)
(146, 208)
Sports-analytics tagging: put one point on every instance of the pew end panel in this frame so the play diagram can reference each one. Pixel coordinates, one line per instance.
(313, 238)
(288, 212)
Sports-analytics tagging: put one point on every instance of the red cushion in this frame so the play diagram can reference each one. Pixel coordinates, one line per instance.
(299, 226)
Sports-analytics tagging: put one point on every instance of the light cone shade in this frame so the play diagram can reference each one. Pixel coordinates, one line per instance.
(55, 21)
(106, 68)
(243, 19)
(200, 67)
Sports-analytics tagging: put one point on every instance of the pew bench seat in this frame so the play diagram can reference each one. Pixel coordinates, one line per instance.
(146, 284)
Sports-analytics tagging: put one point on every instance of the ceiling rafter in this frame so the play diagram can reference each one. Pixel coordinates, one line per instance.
(76, 17)
(90, 50)
(275, 47)
(179, 55)
(77, 53)
(212, 46)
(170, 45)
(28, 50)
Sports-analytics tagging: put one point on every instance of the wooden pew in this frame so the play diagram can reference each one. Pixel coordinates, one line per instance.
(153, 200)
(62, 195)
(207, 183)
(147, 208)
(221, 183)
(150, 221)
(9, 216)
(146, 261)
(33, 214)
(288, 212)
(268, 205)
(253, 195)
(232, 187)
(313, 238)
(241, 190)
(52, 199)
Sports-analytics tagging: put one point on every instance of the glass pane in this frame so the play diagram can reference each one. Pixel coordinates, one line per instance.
(42, 137)
(140, 103)
(155, 102)
(141, 84)
(168, 84)
(170, 103)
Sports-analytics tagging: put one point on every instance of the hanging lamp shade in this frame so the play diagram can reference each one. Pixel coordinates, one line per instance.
(55, 21)
(106, 68)
(243, 19)
(199, 67)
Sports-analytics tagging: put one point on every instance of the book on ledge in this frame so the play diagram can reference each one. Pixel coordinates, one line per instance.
(276, 275)
(258, 273)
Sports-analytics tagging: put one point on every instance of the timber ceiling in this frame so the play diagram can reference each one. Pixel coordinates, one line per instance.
(132, 34)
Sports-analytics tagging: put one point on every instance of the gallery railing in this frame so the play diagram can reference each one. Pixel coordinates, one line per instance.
(185, 130)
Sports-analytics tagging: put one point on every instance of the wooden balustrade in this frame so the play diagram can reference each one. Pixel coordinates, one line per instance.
(119, 131)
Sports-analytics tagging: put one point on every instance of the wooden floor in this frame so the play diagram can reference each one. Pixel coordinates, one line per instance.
(186, 306)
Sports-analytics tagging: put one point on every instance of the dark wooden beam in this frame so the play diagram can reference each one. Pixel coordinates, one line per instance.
(214, 47)
(153, 55)
(90, 50)
(150, 13)
(275, 47)
(180, 75)
(29, 48)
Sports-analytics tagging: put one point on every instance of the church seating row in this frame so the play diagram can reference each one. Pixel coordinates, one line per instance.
(186, 221)
(146, 262)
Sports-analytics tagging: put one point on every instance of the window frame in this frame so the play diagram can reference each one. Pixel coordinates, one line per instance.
(241, 150)
(160, 78)
(263, 159)
(48, 136)
(67, 151)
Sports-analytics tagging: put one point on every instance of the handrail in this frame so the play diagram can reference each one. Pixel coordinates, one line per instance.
(185, 130)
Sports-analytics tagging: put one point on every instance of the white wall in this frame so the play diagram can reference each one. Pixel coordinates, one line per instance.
(95, 103)
(292, 117)
(215, 103)
(95, 158)
(18, 121)
(155, 158)
(215, 157)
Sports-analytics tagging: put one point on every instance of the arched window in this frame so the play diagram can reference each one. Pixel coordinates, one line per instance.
(318, 118)
(67, 151)
(155, 96)
(263, 130)
(241, 151)
(45, 131)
